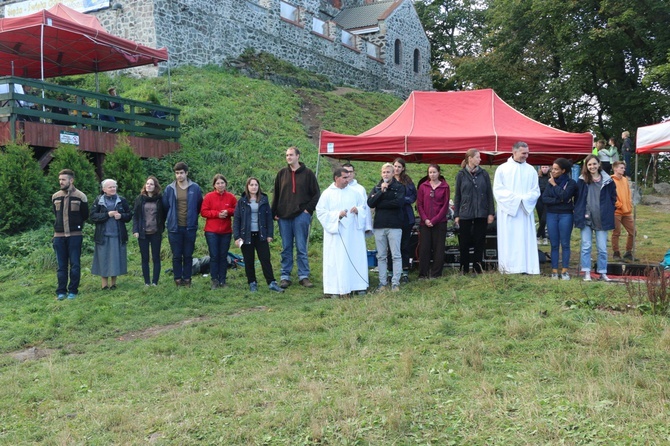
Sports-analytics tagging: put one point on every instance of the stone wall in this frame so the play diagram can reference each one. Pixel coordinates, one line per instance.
(201, 32)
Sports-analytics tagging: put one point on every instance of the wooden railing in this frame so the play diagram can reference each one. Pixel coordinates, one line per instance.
(50, 103)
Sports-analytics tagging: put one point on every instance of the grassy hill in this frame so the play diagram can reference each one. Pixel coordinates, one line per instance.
(511, 360)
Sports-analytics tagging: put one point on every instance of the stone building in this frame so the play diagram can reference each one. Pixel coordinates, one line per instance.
(369, 44)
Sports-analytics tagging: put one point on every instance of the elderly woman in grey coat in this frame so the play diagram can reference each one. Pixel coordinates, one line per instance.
(110, 212)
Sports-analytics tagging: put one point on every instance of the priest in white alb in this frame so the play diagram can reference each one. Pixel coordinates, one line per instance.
(516, 190)
(345, 262)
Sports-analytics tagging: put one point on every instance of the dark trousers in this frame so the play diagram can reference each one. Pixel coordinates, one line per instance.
(152, 241)
(472, 234)
(431, 247)
(218, 245)
(262, 247)
(182, 244)
(68, 253)
(542, 217)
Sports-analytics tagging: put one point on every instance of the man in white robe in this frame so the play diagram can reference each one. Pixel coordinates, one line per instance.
(345, 261)
(516, 190)
(355, 185)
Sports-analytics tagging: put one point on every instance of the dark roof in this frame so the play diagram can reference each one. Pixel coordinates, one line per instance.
(365, 16)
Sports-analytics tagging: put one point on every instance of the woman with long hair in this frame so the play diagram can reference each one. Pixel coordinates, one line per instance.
(148, 226)
(218, 208)
(433, 206)
(110, 213)
(473, 210)
(253, 230)
(559, 202)
(594, 212)
(400, 174)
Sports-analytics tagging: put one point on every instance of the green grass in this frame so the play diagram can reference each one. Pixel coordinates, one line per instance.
(493, 360)
(513, 360)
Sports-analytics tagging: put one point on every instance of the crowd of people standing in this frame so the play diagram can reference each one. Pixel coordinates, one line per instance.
(596, 203)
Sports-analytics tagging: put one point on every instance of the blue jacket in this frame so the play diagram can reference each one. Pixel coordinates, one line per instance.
(193, 204)
(560, 200)
(242, 220)
(607, 201)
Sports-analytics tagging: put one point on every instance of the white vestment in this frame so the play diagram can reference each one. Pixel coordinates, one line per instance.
(516, 190)
(345, 259)
(355, 185)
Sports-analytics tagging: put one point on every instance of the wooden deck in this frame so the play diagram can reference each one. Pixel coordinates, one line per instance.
(48, 136)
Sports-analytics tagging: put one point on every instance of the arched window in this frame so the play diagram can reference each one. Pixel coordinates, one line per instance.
(416, 61)
(396, 51)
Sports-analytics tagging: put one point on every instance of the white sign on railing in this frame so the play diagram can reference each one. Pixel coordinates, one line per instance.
(69, 138)
(31, 6)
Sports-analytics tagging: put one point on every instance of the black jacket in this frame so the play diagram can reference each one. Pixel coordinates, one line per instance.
(560, 200)
(242, 220)
(388, 205)
(139, 224)
(99, 216)
(75, 215)
(474, 195)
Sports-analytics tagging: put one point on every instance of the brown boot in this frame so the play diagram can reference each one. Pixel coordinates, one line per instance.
(215, 284)
(177, 282)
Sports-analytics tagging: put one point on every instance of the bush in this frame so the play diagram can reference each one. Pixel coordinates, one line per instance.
(69, 157)
(124, 166)
(27, 197)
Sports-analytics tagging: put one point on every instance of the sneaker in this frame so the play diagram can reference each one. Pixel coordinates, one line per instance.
(404, 278)
(629, 256)
(147, 285)
(587, 276)
(395, 288)
(112, 288)
(616, 255)
(71, 296)
(604, 278)
(545, 241)
(381, 288)
(554, 276)
(306, 283)
(274, 287)
(361, 292)
(565, 276)
(284, 283)
(253, 287)
(60, 296)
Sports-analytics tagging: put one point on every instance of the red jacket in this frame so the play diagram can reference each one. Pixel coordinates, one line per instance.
(435, 208)
(214, 203)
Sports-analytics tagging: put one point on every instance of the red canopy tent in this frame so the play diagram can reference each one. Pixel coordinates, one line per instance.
(61, 41)
(439, 127)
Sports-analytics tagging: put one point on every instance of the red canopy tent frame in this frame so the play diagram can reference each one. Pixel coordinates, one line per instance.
(61, 41)
(439, 127)
(649, 139)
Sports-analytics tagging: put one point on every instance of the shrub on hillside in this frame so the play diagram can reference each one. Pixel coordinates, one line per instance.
(69, 157)
(124, 166)
(26, 201)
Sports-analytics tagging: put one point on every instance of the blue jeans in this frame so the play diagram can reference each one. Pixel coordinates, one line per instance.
(388, 237)
(218, 244)
(601, 246)
(559, 227)
(182, 244)
(296, 229)
(68, 250)
(152, 241)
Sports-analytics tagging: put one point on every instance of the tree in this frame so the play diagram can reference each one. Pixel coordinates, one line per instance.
(124, 166)
(580, 65)
(69, 157)
(26, 200)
